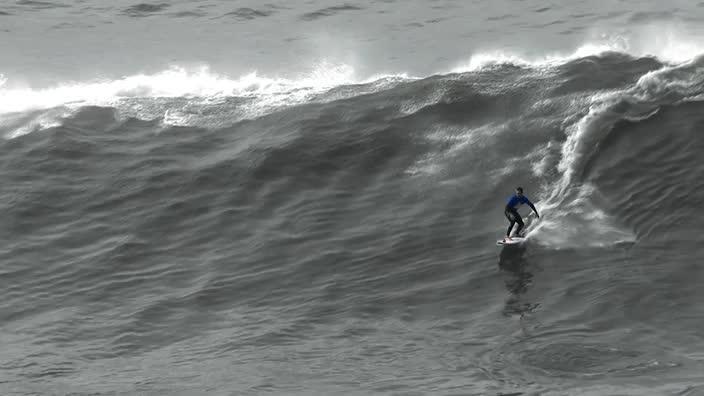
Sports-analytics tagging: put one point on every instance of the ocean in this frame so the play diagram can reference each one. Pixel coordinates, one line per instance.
(303, 198)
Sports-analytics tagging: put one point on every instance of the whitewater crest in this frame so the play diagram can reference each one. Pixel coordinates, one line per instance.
(576, 215)
(149, 96)
(665, 43)
(483, 60)
(171, 83)
(178, 95)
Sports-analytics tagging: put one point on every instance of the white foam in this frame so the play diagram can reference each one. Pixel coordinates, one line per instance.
(160, 95)
(670, 42)
(19, 125)
(482, 60)
(174, 82)
(575, 221)
(664, 41)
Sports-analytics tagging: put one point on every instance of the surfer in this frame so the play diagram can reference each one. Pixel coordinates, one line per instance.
(512, 214)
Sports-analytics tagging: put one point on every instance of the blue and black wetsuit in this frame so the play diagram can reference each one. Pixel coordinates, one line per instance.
(512, 214)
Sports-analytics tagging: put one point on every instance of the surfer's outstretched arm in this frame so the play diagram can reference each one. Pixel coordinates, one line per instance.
(534, 209)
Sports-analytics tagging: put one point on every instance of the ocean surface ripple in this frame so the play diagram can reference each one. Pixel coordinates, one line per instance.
(187, 232)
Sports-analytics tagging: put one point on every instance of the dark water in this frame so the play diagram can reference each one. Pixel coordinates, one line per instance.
(186, 232)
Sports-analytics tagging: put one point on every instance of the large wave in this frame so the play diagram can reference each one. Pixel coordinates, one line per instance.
(499, 121)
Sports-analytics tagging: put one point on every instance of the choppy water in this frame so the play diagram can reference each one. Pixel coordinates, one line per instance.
(304, 198)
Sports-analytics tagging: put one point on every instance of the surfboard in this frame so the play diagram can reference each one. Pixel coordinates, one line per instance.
(512, 241)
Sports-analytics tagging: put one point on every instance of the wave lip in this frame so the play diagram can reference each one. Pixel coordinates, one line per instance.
(171, 83)
(493, 58)
(179, 96)
(663, 42)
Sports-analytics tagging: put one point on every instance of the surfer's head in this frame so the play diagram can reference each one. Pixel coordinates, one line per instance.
(519, 190)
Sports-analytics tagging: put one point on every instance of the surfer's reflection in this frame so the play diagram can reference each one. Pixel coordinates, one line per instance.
(513, 261)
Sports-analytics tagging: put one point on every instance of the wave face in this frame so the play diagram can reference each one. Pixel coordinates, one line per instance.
(333, 234)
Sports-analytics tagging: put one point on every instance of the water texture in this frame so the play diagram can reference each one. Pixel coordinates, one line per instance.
(303, 198)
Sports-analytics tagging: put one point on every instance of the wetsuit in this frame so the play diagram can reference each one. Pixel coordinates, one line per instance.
(512, 214)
